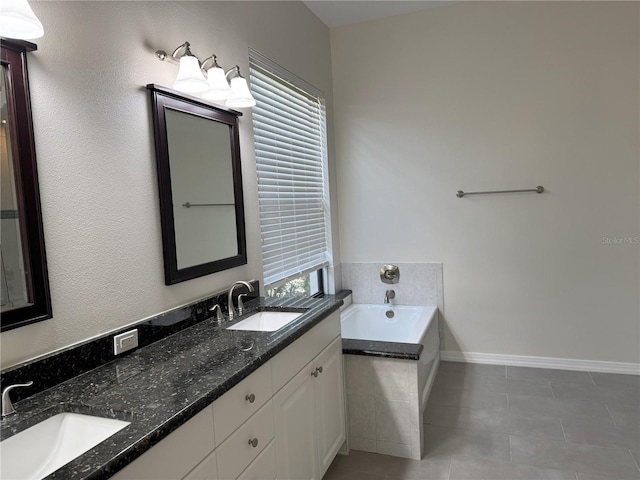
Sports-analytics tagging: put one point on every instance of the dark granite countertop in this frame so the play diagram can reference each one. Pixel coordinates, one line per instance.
(372, 348)
(161, 386)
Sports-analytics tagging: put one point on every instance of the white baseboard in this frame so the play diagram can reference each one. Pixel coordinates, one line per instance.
(542, 362)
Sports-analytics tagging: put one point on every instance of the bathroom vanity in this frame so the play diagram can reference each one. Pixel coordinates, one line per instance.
(213, 403)
(299, 409)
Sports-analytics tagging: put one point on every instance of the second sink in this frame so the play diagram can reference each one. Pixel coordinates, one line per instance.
(266, 321)
(42, 449)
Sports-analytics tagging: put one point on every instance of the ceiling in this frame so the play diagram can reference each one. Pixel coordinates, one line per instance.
(338, 13)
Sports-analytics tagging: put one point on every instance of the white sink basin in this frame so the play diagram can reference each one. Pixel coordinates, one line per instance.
(266, 321)
(42, 449)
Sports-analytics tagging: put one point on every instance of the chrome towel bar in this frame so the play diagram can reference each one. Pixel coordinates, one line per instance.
(189, 205)
(538, 189)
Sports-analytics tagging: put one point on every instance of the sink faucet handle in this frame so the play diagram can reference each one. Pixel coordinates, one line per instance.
(240, 303)
(7, 405)
(218, 311)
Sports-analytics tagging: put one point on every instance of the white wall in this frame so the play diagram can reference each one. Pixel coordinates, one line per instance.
(96, 159)
(483, 96)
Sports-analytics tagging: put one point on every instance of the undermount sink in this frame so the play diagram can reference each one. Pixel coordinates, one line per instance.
(45, 447)
(266, 321)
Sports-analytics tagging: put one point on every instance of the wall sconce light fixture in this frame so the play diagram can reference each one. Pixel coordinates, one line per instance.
(18, 21)
(217, 87)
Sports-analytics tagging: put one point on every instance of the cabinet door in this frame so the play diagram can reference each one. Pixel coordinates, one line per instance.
(330, 411)
(294, 412)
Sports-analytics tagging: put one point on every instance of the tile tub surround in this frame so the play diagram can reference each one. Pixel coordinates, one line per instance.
(473, 433)
(420, 283)
(161, 386)
(385, 400)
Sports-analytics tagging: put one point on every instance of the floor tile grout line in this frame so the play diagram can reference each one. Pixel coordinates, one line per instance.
(563, 432)
(610, 414)
(450, 465)
(591, 377)
(634, 460)
(576, 475)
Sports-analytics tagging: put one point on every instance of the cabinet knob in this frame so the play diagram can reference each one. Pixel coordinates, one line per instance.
(315, 373)
(253, 442)
(319, 369)
(250, 398)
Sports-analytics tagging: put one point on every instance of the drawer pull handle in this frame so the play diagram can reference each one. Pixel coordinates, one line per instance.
(253, 442)
(250, 398)
(315, 373)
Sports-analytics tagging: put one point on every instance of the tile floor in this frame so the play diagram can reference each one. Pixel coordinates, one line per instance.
(517, 423)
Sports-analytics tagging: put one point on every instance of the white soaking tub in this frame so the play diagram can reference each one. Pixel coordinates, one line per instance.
(371, 322)
(392, 353)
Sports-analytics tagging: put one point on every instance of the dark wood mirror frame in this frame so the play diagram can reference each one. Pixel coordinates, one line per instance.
(14, 58)
(163, 98)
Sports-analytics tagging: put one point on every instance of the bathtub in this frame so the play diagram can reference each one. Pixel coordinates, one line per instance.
(408, 324)
(390, 366)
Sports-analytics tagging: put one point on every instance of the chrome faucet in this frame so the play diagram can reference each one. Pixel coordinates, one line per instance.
(389, 295)
(230, 308)
(7, 406)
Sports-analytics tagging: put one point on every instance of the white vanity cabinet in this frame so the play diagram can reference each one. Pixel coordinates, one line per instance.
(330, 404)
(285, 421)
(175, 456)
(309, 411)
(296, 437)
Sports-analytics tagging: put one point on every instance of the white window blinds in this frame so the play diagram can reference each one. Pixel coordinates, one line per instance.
(289, 128)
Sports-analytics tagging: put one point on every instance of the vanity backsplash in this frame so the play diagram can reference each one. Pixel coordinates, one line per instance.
(60, 366)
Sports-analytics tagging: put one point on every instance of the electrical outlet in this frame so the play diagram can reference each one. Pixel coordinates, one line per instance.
(125, 341)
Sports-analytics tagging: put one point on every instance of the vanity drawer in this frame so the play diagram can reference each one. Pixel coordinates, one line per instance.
(206, 470)
(234, 407)
(287, 363)
(264, 466)
(236, 452)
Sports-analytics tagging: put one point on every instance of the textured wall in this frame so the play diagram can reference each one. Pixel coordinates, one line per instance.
(96, 159)
(500, 95)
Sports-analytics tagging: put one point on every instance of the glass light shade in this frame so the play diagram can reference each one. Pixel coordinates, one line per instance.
(190, 78)
(241, 96)
(17, 20)
(219, 88)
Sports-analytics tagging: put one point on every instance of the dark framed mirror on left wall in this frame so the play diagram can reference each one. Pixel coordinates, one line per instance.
(24, 278)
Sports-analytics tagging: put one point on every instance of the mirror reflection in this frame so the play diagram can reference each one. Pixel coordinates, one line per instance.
(202, 188)
(15, 293)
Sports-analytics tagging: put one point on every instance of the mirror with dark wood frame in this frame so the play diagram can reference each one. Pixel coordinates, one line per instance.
(200, 185)
(25, 282)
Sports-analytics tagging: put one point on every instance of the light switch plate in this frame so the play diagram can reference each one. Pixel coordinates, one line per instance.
(125, 341)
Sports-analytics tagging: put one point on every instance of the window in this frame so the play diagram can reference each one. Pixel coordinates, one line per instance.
(289, 128)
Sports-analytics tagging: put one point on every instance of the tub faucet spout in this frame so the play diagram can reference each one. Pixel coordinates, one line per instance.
(389, 295)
